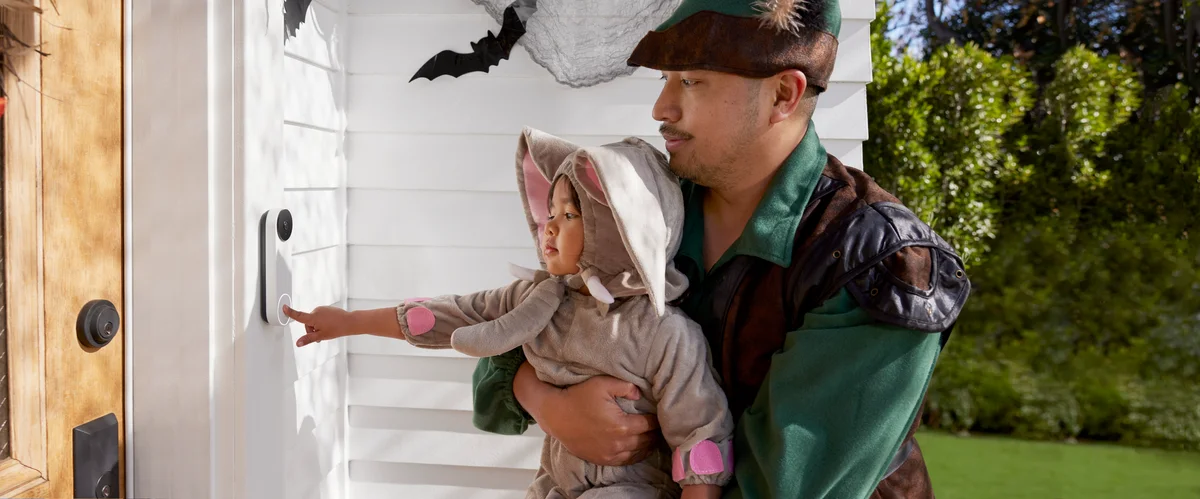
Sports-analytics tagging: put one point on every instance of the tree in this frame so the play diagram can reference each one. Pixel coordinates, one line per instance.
(937, 131)
(1158, 37)
(1071, 194)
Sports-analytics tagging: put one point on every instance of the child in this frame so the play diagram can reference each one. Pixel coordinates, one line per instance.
(607, 222)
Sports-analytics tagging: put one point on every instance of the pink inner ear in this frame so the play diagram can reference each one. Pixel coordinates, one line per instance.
(537, 191)
(596, 189)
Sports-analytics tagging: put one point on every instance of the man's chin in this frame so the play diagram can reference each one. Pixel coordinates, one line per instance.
(681, 168)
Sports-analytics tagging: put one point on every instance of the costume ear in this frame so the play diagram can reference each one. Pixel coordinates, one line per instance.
(539, 155)
(585, 171)
(637, 186)
(535, 188)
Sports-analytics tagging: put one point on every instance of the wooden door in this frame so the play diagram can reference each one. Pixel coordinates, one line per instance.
(62, 206)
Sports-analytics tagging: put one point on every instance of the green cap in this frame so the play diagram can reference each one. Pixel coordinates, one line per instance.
(754, 38)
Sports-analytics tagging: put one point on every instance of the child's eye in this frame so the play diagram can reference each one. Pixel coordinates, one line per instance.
(572, 216)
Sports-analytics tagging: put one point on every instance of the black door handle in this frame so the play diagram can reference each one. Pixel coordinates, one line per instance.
(97, 323)
(97, 458)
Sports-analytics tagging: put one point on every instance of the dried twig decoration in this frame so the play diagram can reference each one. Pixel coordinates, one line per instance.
(10, 44)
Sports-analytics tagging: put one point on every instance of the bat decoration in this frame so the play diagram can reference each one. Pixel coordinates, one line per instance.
(485, 53)
(294, 12)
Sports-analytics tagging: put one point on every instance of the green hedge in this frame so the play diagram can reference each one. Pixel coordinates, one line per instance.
(1098, 341)
(1071, 204)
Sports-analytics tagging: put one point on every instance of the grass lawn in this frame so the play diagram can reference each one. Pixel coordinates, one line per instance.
(982, 467)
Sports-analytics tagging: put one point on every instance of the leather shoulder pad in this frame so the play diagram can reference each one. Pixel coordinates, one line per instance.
(893, 264)
(901, 272)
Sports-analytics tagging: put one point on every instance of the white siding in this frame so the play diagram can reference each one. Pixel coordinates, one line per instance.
(443, 150)
(313, 179)
(294, 402)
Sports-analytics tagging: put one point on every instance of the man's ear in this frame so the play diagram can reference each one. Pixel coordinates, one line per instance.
(790, 88)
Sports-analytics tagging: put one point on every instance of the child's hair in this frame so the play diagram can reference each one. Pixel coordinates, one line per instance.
(570, 187)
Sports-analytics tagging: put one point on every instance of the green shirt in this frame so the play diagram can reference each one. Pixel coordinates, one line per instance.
(838, 398)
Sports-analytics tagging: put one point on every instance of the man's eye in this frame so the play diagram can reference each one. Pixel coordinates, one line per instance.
(688, 83)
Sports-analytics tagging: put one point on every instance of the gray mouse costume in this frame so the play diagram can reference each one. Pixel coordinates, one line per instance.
(633, 216)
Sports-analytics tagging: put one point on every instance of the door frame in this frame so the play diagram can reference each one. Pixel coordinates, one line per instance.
(28, 457)
(183, 375)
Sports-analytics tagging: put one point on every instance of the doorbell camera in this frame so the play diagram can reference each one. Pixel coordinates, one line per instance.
(283, 225)
(274, 259)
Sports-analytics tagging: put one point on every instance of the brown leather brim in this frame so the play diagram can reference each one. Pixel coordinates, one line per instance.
(739, 45)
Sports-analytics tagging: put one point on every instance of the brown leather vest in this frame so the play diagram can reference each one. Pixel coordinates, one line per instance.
(852, 234)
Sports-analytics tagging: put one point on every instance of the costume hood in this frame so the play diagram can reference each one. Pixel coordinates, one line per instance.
(633, 219)
(632, 213)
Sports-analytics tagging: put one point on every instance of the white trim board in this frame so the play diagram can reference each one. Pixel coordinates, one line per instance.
(179, 67)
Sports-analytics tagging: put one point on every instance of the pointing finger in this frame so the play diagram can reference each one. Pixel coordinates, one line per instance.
(297, 315)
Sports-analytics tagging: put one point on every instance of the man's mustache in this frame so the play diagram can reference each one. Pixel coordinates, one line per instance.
(670, 132)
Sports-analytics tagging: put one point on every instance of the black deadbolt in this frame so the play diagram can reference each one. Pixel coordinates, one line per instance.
(98, 323)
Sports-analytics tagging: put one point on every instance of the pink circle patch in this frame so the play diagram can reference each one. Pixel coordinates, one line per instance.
(420, 320)
(706, 459)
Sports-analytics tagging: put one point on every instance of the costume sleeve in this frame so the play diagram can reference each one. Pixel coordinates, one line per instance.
(496, 409)
(834, 407)
(693, 412)
(430, 322)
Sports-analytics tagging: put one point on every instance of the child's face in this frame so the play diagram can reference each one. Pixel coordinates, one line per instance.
(562, 239)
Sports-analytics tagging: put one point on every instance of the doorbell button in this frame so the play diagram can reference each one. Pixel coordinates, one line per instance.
(283, 319)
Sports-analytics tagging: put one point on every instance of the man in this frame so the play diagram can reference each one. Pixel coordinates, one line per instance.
(825, 302)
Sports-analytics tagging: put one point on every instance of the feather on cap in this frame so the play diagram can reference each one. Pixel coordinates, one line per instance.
(785, 15)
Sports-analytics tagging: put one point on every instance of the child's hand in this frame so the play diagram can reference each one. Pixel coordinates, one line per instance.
(701, 492)
(323, 323)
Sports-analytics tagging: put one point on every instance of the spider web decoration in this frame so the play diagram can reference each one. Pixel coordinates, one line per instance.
(586, 42)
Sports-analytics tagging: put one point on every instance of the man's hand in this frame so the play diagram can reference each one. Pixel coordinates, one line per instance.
(587, 419)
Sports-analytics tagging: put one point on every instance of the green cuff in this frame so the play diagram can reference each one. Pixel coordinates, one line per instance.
(495, 406)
